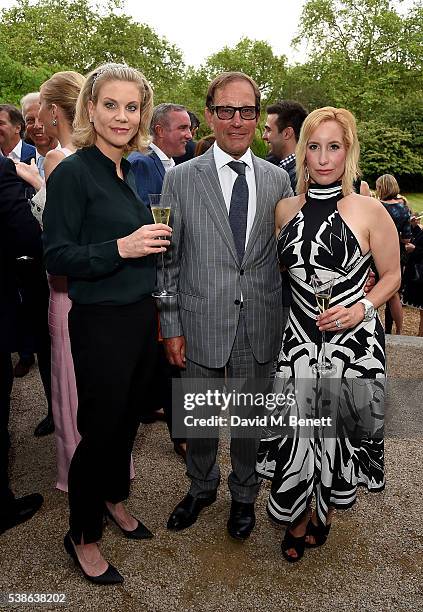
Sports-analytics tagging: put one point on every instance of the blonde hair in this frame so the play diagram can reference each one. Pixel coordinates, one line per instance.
(387, 187)
(63, 90)
(84, 133)
(347, 122)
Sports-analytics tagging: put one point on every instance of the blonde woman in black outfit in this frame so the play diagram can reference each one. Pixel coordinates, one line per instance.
(101, 236)
(387, 191)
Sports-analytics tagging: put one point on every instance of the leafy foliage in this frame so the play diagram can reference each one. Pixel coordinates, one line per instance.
(17, 79)
(70, 34)
(365, 56)
(255, 58)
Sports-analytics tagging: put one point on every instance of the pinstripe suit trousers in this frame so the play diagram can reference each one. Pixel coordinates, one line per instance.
(202, 467)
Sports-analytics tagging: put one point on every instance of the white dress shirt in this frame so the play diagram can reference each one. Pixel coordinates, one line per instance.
(168, 162)
(227, 178)
(15, 154)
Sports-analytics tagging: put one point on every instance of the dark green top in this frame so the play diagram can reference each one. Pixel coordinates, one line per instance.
(88, 208)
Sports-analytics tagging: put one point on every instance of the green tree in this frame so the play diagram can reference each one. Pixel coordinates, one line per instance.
(389, 150)
(16, 79)
(191, 92)
(255, 58)
(71, 34)
(359, 50)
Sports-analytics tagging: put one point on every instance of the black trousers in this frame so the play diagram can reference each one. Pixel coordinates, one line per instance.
(34, 335)
(114, 353)
(6, 381)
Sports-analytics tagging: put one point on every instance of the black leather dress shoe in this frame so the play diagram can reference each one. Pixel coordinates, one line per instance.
(20, 510)
(241, 520)
(187, 511)
(44, 427)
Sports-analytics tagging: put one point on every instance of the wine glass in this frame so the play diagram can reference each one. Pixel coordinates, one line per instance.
(322, 284)
(160, 209)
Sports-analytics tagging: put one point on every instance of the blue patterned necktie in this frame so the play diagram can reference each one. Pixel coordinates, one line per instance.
(238, 210)
(40, 165)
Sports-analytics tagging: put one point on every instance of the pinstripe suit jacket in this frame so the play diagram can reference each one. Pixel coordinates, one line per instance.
(203, 267)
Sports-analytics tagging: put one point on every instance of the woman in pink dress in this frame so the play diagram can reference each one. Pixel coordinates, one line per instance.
(58, 98)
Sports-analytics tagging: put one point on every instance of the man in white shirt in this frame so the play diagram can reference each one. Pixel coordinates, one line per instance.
(12, 127)
(170, 129)
(34, 130)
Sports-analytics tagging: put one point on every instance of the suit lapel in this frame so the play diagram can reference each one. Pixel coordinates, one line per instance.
(212, 196)
(27, 152)
(158, 163)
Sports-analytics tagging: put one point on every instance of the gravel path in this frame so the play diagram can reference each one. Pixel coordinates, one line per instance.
(373, 559)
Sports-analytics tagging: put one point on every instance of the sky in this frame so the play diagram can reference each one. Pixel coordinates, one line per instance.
(202, 27)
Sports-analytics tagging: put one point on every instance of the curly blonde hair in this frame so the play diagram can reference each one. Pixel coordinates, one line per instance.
(349, 128)
(84, 133)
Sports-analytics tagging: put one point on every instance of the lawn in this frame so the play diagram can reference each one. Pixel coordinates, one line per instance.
(415, 201)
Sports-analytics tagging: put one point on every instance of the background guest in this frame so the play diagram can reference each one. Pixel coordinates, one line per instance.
(204, 144)
(191, 144)
(387, 191)
(19, 233)
(413, 271)
(170, 133)
(170, 129)
(58, 98)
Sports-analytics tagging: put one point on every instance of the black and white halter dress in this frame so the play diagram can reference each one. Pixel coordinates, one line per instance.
(327, 464)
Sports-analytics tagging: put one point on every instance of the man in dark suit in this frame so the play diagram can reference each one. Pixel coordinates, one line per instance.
(170, 132)
(12, 128)
(19, 234)
(170, 129)
(33, 324)
(12, 145)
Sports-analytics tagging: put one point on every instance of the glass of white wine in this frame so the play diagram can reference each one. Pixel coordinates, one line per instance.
(160, 209)
(322, 284)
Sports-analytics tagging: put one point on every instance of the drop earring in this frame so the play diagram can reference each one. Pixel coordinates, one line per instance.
(306, 175)
(54, 122)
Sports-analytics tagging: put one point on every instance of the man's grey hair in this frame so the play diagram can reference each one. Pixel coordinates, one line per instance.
(160, 113)
(30, 98)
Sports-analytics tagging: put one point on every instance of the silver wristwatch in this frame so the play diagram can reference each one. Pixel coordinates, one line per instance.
(369, 309)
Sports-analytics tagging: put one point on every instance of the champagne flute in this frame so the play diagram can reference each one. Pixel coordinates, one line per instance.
(160, 209)
(322, 284)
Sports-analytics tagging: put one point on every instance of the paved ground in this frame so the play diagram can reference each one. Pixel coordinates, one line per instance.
(372, 561)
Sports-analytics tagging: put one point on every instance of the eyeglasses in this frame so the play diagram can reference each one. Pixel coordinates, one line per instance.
(227, 112)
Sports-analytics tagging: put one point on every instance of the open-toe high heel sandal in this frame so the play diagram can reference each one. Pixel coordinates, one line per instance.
(318, 532)
(297, 543)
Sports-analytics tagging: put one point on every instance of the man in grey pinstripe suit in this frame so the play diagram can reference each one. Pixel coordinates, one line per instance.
(228, 315)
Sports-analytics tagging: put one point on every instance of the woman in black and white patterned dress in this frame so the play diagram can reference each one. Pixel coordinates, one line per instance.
(328, 227)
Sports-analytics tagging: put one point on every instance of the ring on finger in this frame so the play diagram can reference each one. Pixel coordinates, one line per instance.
(338, 323)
